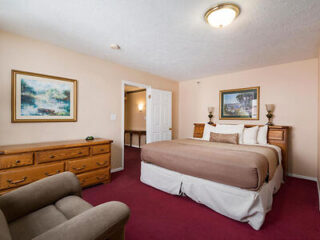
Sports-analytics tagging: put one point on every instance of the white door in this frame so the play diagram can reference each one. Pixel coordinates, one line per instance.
(159, 128)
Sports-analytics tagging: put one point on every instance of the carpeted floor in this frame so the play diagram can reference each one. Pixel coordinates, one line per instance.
(158, 215)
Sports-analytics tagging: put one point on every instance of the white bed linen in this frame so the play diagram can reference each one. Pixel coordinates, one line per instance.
(236, 203)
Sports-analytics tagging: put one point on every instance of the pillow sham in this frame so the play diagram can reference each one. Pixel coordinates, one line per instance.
(250, 135)
(262, 135)
(206, 132)
(232, 138)
(229, 129)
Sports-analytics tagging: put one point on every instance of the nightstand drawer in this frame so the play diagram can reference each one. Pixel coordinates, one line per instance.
(54, 155)
(16, 160)
(88, 164)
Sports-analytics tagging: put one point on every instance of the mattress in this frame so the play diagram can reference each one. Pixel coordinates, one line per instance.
(243, 166)
(236, 203)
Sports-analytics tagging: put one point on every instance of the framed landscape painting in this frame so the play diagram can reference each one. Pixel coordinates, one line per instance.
(43, 98)
(240, 104)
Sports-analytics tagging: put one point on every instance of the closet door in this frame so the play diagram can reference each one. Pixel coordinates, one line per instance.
(159, 127)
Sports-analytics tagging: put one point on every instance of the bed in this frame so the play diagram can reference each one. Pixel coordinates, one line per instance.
(238, 182)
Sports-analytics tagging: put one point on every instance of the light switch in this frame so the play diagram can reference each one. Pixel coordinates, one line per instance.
(113, 116)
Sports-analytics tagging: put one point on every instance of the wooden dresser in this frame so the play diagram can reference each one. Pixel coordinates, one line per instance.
(25, 163)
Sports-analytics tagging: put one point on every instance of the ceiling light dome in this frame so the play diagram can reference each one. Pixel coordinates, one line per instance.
(222, 15)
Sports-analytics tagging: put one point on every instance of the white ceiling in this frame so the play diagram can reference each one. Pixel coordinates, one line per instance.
(169, 37)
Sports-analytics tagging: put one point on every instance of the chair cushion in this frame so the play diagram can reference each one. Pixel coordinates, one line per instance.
(36, 223)
(72, 206)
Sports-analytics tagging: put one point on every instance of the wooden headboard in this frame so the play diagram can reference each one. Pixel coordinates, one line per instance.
(277, 135)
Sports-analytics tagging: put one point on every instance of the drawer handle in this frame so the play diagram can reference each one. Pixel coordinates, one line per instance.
(101, 178)
(52, 156)
(102, 150)
(16, 182)
(79, 152)
(82, 181)
(80, 168)
(101, 164)
(50, 174)
(18, 161)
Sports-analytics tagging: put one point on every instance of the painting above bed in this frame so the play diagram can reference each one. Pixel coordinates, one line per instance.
(240, 104)
(43, 98)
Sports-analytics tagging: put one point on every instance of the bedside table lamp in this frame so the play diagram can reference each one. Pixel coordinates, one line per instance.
(270, 109)
(210, 110)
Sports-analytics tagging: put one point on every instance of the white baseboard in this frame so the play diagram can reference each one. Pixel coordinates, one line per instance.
(135, 146)
(302, 177)
(116, 169)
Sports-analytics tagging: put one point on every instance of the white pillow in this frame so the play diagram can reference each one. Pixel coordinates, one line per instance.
(226, 129)
(262, 135)
(206, 132)
(250, 135)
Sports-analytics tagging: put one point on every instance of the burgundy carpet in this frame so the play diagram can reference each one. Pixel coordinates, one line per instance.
(158, 215)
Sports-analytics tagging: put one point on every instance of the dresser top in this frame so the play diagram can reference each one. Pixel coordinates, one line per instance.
(31, 147)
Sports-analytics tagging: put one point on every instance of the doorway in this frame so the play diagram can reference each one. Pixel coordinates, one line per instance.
(146, 116)
(134, 117)
(135, 131)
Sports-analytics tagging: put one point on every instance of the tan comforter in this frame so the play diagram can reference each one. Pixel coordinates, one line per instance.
(244, 166)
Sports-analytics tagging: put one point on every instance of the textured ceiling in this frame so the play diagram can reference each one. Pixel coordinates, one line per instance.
(169, 37)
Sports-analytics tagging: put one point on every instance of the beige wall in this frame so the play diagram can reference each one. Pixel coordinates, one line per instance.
(99, 92)
(134, 119)
(319, 123)
(292, 87)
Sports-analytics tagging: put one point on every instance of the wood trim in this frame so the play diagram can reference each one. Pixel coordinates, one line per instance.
(277, 135)
(240, 89)
(13, 97)
(21, 148)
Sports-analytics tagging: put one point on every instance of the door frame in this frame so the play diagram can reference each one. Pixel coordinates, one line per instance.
(148, 112)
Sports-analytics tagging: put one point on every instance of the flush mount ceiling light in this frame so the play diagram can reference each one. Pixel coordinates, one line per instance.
(222, 15)
(115, 46)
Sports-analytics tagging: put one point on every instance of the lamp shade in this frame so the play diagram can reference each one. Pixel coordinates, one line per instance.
(210, 109)
(270, 107)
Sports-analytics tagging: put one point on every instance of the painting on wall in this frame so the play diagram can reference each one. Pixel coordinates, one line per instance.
(240, 104)
(43, 98)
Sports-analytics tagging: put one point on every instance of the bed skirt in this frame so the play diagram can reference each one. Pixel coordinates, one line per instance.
(236, 203)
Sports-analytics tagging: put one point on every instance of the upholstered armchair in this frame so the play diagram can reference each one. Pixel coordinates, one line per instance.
(52, 208)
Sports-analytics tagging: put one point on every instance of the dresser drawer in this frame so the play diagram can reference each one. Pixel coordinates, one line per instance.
(99, 149)
(18, 177)
(87, 164)
(94, 177)
(54, 155)
(16, 160)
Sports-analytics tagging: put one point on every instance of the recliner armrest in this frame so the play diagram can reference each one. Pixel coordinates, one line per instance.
(39, 194)
(100, 222)
(4, 229)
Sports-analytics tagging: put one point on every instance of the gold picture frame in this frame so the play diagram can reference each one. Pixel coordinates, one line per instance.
(239, 104)
(42, 98)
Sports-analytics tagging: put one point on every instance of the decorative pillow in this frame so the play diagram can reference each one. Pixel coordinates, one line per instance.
(229, 129)
(206, 132)
(250, 135)
(262, 135)
(232, 138)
